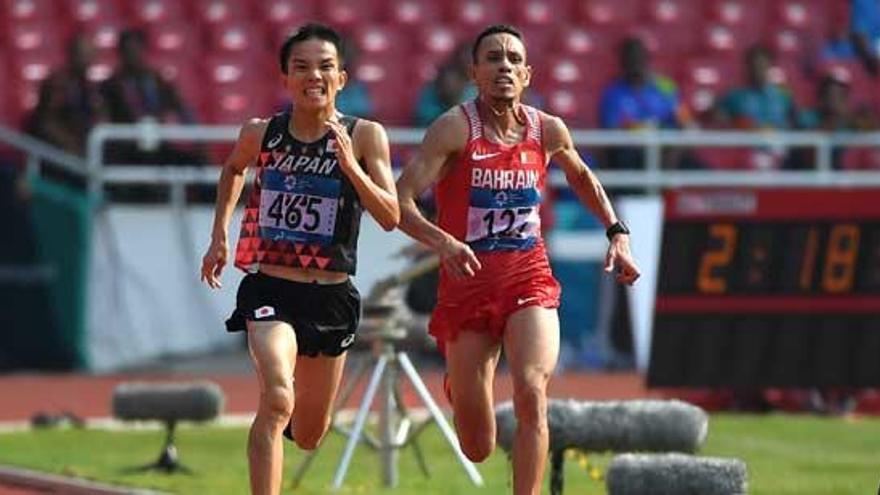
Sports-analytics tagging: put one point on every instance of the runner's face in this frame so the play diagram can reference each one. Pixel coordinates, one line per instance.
(500, 71)
(313, 74)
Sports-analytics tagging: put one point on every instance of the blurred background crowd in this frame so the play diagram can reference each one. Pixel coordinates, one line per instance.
(611, 64)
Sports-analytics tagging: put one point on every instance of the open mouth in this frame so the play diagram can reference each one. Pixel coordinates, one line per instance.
(503, 81)
(315, 92)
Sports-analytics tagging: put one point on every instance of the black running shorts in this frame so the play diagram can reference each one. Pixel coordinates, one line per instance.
(324, 317)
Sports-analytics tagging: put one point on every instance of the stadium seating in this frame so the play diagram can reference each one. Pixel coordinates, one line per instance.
(224, 48)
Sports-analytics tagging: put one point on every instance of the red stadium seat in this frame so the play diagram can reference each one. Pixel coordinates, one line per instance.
(542, 13)
(668, 39)
(27, 10)
(476, 14)
(608, 12)
(745, 18)
(863, 88)
(236, 37)
(235, 104)
(803, 15)
(438, 40)
(722, 39)
(381, 39)
(426, 66)
(104, 34)
(22, 101)
(155, 11)
(34, 36)
(102, 66)
(538, 40)
(391, 89)
(676, 12)
(287, 13)
(224, 68)
(347, 14)
(583, 41)
(573, 104)
(175, 37)
(214, 11)
(86, 12)
(412, 12)
(716, 73)
(180, 72)
(786, 42)
(32, 66)
(699, 98)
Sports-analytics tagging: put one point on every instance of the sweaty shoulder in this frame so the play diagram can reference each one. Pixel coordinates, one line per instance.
(253, 130)
(556, 133)
(367, 129)
(449, 132)
(250, 140)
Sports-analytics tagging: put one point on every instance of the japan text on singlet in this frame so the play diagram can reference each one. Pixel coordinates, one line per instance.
(303, 212)
(503, 185)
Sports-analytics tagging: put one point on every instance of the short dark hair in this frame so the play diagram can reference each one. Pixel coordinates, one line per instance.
(495, 29)
(305, 33)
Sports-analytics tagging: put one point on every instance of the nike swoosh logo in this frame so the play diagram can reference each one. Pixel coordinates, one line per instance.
(479, 157)
(521, 301)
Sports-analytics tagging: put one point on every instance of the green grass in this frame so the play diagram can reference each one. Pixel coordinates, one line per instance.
(785, 455)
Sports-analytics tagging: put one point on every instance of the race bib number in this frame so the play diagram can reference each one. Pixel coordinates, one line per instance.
(298, 208)
(503, 219)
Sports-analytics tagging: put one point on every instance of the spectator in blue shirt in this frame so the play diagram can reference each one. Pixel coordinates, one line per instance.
(865, 16)
(759, 104)
(354, 98)
(638, 99)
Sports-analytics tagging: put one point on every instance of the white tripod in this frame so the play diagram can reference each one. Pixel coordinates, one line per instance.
(395, 422)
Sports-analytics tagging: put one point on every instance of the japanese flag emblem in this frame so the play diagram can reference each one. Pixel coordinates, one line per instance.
(264, 312)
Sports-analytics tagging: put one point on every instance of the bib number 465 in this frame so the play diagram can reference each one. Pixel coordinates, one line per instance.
(297, 211)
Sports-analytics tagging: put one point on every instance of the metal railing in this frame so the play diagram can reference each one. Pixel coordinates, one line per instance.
(38, 153)
(651, 177)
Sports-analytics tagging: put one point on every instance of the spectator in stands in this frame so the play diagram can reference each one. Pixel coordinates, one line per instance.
(760, 104)
(136, 92)
(865, 15)
(638, 99)
(833, 111)
(69, 104)
(452, 86)
(354, 98)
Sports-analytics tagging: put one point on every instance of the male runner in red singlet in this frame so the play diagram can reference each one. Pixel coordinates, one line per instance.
(316, 171)
(489, 158)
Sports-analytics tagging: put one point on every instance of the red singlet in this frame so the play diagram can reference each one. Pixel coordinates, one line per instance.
(490, 199)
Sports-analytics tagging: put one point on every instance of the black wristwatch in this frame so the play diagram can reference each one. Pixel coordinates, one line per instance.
(617, 228)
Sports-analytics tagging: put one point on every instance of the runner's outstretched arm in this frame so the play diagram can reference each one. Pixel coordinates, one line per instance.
(560, 148)
(229, 188)
(446, 137)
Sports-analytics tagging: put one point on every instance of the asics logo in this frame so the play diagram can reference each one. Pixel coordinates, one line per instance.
(475, 156)
(274, 141)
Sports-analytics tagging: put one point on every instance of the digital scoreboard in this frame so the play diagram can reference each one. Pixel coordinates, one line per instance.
(768, 288)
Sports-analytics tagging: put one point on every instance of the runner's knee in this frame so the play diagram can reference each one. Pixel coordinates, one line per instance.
(530, 403)
(477, 446)
(309, 428)
(276, 402)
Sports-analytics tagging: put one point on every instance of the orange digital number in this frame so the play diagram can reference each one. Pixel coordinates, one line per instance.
(707, 278)
(840, 262)
(809, 264)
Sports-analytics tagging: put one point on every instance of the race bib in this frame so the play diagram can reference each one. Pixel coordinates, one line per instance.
(503, 219)
(298, 208)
